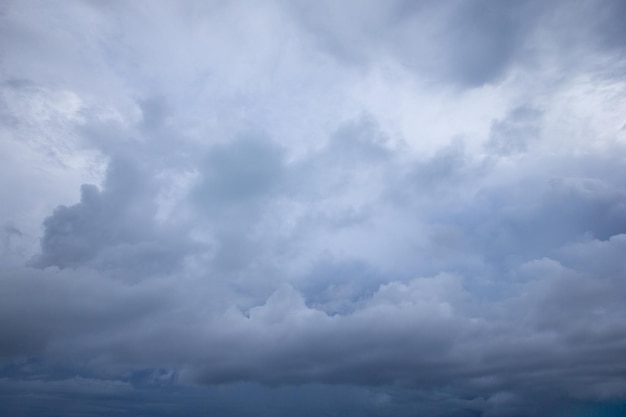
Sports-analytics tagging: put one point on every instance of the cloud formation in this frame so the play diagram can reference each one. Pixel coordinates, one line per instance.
(393, 208)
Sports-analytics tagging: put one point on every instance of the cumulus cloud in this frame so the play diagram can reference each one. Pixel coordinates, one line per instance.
(383, 208)
(113, 229)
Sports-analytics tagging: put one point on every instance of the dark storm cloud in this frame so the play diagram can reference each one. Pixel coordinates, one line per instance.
(39, 308)
(112, 229)
(469, 43)
(361, 327)
(458, 251)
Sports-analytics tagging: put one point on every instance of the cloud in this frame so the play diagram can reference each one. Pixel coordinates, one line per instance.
(515, 133)
(246, 169)
(113, 229)
(383, 208)
(466, 43)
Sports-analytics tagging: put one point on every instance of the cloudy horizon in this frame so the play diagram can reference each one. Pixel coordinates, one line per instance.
(379, 208)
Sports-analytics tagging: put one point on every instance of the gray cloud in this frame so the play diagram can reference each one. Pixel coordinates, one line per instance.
(535, 219)
(424, 214)
(363, 324)
(469, 43)
(237, 172)
(112, 229)
(516, 132)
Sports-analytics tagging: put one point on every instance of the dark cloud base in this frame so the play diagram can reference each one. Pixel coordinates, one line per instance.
(142, 393)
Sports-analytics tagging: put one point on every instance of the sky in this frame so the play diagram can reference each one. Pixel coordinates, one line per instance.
(313, 208)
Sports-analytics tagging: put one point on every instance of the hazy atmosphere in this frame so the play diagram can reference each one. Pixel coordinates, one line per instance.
(283, 208)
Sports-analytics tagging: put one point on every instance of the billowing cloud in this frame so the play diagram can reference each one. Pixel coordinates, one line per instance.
(373, 208)
(112, 230)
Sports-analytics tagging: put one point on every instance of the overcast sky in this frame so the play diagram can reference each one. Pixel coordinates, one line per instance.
(313, 208)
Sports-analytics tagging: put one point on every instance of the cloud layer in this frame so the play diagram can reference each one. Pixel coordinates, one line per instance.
(391, 207)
